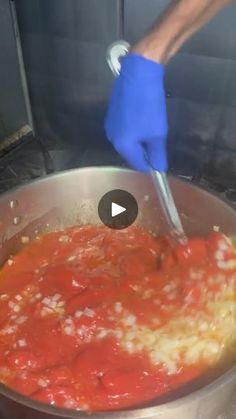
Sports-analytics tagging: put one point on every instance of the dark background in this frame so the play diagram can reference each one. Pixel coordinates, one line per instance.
(64, 47)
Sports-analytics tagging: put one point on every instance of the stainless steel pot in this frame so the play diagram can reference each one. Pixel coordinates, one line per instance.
(72, 198)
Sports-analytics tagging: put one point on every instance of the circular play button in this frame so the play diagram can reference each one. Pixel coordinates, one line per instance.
(118, 209)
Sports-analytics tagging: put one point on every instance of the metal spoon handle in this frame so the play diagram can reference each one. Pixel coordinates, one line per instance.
(167, 202)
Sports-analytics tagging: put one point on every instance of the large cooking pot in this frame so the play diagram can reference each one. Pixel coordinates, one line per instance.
(72, 198)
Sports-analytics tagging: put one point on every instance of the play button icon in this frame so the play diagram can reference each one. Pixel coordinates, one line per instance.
(118, 209)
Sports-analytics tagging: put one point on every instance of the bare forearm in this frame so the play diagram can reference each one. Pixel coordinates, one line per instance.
(181, 20)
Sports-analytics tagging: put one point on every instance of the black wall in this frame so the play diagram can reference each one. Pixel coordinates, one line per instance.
(64, 43)
(12, 106)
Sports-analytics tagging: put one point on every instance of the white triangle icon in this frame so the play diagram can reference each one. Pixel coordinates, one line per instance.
(116, 209)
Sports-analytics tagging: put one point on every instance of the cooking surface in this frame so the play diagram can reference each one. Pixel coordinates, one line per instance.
(33, 159)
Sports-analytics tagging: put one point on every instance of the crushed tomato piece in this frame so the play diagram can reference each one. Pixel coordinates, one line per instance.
(97, 319)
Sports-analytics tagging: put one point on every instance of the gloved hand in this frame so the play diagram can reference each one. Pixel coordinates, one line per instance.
(136, 121)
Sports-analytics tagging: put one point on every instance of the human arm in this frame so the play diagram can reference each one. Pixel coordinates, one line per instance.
(175, 26)
(136, 118)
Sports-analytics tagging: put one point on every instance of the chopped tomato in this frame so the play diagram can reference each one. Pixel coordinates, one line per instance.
(135, 264)
(195, 251)
(60, 396)
(26, 384)
(120, 382)
(64, 281)
(85, 315)
(60, 376)
(23, 360)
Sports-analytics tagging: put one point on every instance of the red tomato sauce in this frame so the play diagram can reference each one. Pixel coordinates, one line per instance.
(62, 298)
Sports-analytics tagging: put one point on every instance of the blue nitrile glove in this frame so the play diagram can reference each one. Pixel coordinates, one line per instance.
(136, 121)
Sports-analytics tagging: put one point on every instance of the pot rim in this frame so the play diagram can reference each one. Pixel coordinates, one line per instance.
(224, 379)
(62, 173)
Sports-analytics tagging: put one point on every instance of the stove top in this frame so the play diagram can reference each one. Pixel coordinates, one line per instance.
(32, 159)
